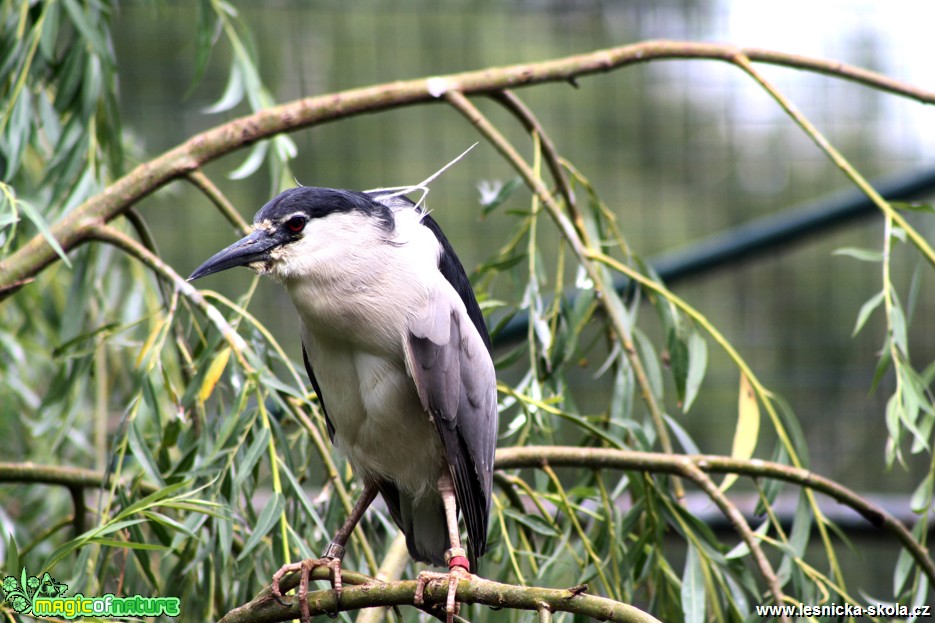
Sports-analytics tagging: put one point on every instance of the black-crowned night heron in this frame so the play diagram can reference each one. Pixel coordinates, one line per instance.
(396, 348)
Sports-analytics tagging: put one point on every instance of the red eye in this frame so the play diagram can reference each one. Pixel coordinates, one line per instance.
(296, 224)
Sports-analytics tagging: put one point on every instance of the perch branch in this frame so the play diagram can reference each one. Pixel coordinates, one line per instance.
(369, 593)
(64, 476)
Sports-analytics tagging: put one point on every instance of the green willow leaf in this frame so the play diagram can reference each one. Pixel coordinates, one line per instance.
(678, 362)
(864, 255)
(866, 309)
(252, 163)
(697, 366)
(233, 93)
(258, 447)
(265, 522)
(693, 589)
(36, 219)
(89, 31)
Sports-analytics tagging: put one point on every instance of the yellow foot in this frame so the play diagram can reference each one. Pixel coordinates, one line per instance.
(305, 568)
(452, 577)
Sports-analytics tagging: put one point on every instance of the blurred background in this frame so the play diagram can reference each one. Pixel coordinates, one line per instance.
(679, 150)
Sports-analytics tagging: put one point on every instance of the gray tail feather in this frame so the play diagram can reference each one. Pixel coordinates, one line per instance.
(422, 522)
(424, 525)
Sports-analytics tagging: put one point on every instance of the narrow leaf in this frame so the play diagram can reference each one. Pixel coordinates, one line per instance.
(905, 564)
(865, 310)
(748, 427)
(898, 328)
(264, 524)
(213, 375)
(533, 522)
(157, 498)
(36, 219)
(233, 92)
(142, 453)
(129, 544)
(11, 562)
(80, 19)
(914, 206)
(678, 362)
(693, 593)
(697, 364)
(492, 196)
(252, 163)
(922, 497)
(864, 255)
(257, 448)
(650, 361)
(684, 439)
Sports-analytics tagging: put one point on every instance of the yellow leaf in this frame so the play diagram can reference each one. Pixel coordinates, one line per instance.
(748, 427)
(150, 341)
(213, 375)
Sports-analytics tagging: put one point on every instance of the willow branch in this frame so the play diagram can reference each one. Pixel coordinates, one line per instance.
(694, 473)
(837, 158)
(64, 476)
(72, 230)
(203, 183)
(265, 609)
(652, 462)
(525, 116)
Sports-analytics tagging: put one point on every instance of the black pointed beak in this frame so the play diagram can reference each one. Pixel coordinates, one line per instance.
(252, 248)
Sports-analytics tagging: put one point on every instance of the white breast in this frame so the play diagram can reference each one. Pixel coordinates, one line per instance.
(351, 276)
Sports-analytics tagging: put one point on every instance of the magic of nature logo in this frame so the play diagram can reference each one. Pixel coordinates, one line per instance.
(45, 597)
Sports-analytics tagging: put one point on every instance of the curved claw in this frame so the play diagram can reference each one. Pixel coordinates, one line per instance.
(455, 575)
(334, 564)
(305, 568)
(283, 570)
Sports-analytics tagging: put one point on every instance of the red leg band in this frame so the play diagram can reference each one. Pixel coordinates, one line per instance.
(459, 561)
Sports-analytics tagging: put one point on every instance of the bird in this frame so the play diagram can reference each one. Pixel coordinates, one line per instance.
(396, 348)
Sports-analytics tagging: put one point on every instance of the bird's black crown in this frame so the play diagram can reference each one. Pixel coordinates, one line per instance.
(320, 202)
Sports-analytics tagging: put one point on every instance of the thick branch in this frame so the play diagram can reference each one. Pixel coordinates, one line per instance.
(74, 228)
(55, 475)
(265, 609)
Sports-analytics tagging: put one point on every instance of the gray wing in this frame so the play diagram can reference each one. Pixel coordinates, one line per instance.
(455, 379)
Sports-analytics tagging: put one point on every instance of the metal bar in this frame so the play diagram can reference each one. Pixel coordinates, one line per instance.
(760, 237)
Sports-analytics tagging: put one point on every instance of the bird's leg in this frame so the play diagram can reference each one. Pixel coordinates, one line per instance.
(331, 557)
(458, 566)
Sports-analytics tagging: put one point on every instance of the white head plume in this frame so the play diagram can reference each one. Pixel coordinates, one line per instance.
(397, 191)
